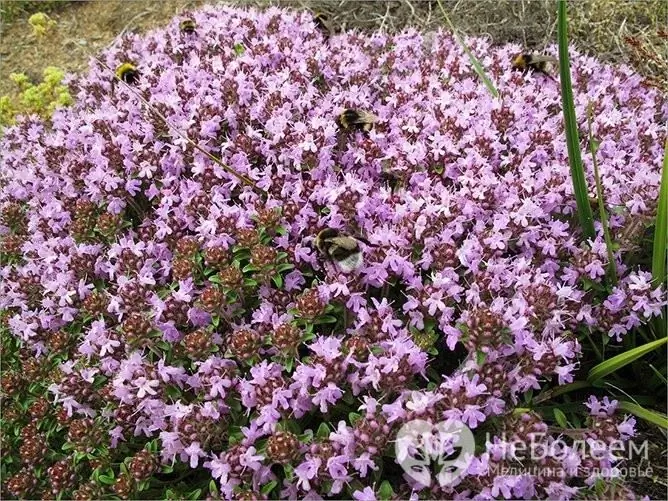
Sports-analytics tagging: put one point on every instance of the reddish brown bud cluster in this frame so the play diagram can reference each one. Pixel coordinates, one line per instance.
(216, 256)
(23, 483)
(87, 492)
(231, 278)
(109, 225)
(124, 486)
(358, 347)
(59, 341)
(95, 304)
(61, 476)
(199, 343)
(175, 311)
(268, 218)
(85, 435)
(143, 465)
(248, 237)
(135, 297)
(309, 305)
(73, 385)
(283, 447)
(444, 256)
(13, 216)
(10, 245)
(33, 449)
(262, 256)
(212, 298)
(210, 433)
(137, 330)
(286, 338)
(244, 344)
(485, 330)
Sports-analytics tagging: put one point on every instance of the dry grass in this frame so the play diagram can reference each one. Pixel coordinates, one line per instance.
(598, 26)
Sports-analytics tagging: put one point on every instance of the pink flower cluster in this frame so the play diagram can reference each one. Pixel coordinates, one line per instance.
(200, 310)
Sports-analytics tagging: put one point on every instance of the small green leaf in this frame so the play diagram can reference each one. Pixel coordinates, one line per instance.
(385, 491)
(353, 417)
(323, 431)
(480, 357)
(107, 479)
(284, 267)
(560, 418)
(278, 280)
(239, 49)
(266, 489)
(325, 319)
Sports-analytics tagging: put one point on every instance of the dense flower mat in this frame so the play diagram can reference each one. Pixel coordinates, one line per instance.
(184, 320)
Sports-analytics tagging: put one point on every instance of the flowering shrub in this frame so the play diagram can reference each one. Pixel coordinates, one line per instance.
(41, 99)
(173, 333)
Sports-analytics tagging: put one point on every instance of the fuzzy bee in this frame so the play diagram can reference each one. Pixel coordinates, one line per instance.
(340, 248)
(188, 26)
(350, 119)
(322, 24)
(534, 62)
(128, 73)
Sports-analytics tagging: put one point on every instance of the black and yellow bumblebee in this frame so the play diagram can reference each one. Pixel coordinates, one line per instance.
(342, 249)
(128, 73)
(322, 24)
(534, 62)
(350, 119)
(188, 26)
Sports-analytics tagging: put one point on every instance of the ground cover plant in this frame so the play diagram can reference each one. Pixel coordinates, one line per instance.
(169, 329)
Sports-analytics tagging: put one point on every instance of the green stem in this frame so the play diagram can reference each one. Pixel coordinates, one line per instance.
(593, 146)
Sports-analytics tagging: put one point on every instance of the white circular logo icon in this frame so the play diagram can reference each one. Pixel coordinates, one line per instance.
(447, 446)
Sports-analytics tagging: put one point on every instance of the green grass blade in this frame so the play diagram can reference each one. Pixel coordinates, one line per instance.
(477, 66)
(617, 362)
(652, 417)
(571, 126)
(661, 227)
(593, 147)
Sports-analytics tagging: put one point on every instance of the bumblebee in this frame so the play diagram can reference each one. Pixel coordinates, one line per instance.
(390, 179)
(534, 62)
(322, 24)
(188, 26)
(342, 249)
(359, 120)
(128, 73)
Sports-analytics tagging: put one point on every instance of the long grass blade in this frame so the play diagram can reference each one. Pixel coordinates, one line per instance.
(617, 362)
(477, 66)
(593, 147)
(659, 255)
(571, 126)
(648, 415)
